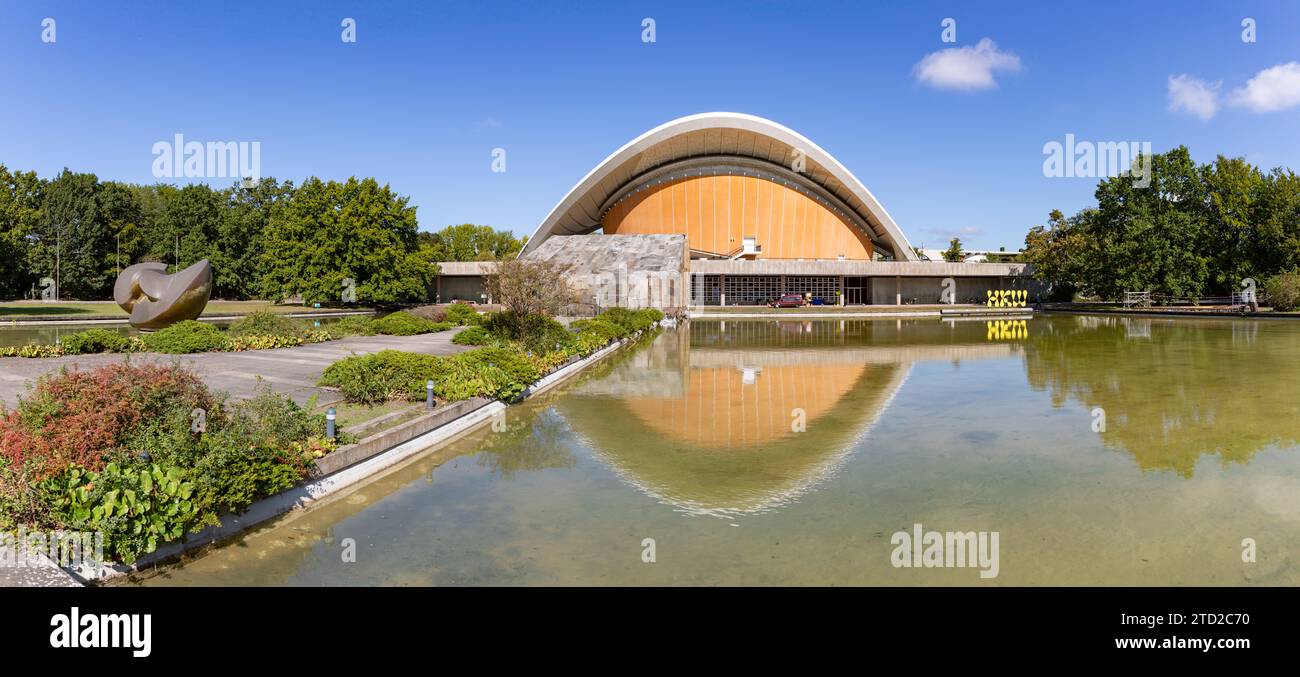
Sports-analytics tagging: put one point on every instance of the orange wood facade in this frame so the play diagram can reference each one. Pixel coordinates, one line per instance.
(716, 213)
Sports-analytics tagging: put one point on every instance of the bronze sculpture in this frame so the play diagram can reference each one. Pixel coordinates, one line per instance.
(156, 299)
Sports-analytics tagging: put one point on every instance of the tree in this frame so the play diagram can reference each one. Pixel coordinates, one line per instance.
(69, 242)
(469, 242)
(21, 195)
(329, 238)
(529, 288)
(124, 216)
(954, 254)
(245, 213)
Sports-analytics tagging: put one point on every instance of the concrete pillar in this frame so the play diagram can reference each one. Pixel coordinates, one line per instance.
(898, 290)
(722, 290)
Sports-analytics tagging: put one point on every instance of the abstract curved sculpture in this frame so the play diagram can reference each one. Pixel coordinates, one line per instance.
(156, 299)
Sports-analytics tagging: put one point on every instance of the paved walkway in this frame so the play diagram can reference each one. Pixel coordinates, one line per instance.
(293, 371)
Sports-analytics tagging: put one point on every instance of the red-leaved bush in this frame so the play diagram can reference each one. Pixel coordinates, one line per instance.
(76, 417)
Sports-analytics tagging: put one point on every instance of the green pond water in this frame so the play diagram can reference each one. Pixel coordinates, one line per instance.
(966, 426)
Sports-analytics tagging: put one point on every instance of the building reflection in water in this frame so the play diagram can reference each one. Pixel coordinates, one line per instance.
(741, 417)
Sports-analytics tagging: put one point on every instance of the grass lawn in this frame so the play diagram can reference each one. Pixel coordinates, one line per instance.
(88, 309)
(353, 415)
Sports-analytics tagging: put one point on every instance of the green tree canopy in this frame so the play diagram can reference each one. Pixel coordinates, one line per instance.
(331, 233)
(470, 242)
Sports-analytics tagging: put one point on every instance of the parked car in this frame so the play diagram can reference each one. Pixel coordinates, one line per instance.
(790, 301)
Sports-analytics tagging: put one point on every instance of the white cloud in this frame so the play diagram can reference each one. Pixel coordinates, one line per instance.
(1195, 97)
(966, 68)
(1272, 89)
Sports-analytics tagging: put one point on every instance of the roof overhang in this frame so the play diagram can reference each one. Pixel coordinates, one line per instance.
(720, 137)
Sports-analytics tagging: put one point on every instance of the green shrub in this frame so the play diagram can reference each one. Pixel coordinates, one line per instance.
(266, 323)
(1284, 291)
(402, 323)
(372, 379)
(631, 320)
(462, 314)
(353, 325)
(93, 341)
(391, 374)
(538, 333)
(605, 330)
(190, 336)
(518, 372)
(473, 336)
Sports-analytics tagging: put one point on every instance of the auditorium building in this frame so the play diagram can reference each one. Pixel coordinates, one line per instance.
(731, 209)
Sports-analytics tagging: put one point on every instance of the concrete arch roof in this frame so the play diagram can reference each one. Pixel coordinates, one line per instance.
(716, 135)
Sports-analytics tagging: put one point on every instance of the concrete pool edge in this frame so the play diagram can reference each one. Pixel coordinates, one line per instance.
(341, 478)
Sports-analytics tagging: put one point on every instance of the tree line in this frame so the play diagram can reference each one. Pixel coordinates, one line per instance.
(1194, 230)
(266, 239)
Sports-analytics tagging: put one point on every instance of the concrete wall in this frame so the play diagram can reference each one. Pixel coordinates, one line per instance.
(633, 271)
(926, 290)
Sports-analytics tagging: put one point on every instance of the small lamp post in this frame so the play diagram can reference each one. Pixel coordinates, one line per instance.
(428, 394)
(330, 415)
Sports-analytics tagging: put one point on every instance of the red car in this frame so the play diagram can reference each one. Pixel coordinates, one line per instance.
(789, 301)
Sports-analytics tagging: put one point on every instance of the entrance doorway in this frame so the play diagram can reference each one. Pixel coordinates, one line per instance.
(855, 291)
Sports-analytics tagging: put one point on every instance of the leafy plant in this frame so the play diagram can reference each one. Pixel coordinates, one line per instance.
(31, 350)
(135, 508)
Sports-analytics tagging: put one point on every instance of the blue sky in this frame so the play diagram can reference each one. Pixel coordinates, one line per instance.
(430, 88)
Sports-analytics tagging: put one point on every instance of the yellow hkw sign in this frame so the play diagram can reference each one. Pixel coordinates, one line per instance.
(1007, 298)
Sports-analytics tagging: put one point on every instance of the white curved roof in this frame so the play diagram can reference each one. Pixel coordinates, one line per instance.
(720, 135)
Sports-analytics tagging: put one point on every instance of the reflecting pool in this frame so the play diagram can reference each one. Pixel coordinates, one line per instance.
(1101, 450)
